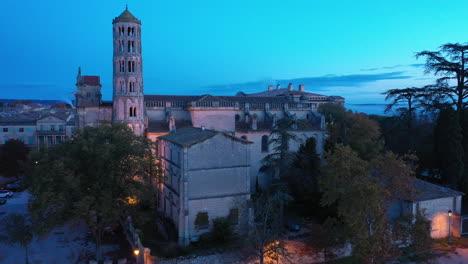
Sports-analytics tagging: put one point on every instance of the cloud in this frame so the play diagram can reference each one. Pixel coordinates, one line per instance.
(330, 80)
(416, 65)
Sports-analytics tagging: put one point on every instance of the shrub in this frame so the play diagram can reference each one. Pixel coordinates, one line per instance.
(222, 230)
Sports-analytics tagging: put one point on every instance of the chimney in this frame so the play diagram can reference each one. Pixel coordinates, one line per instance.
(270, 87)
(278, 86)
(301, 87)
(290, 87)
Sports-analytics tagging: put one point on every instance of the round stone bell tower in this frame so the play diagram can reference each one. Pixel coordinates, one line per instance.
(128, 97)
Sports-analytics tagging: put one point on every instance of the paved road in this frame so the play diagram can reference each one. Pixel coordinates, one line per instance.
(17, 204)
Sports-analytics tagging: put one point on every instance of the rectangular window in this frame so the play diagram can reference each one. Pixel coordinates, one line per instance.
(5, 129)
(52, 127)
(50, 140)
(21, 129)
(202, 221)
(60, 128)
(58, 140)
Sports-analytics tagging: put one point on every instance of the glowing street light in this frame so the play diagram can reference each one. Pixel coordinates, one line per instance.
(136, 252)
(450, 227)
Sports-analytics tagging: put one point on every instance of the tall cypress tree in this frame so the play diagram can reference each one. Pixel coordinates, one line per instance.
(448, 139)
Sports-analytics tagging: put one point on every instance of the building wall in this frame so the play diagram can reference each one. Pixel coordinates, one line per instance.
(257, 154)
(211, 176)
(92, 116)
(437, 212)
(27, 136)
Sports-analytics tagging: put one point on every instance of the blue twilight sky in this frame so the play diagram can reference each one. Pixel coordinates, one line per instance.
(355, 49)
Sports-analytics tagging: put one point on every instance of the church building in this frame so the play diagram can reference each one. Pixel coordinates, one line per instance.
(201, 139)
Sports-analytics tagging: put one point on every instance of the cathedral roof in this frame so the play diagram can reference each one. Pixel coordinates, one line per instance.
(126, 16)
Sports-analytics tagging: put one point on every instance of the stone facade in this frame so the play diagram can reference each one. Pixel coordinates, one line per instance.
(206, 175)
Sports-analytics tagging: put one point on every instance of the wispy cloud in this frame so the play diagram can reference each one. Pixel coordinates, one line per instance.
(416, 65)
(330, 80)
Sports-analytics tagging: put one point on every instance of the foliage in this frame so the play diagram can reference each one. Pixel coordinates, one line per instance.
(91, 177)
(409, 96)
(361, 190)
(356, 130)
(362, 134)
(222, 230)
(280, 139)
(13, 154)
(414, 231)
(17, 229)
(450, 62)
(305, 168)
(266, 230)
(448, 147)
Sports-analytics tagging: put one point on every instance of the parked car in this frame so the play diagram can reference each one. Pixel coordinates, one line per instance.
(6, 194)
(292, 225)
(3, 201)
(15, 187)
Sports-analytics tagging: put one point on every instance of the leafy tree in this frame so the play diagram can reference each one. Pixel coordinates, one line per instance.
(305, 168)
(409, 96)
(280, 139)
(13, 154)
(266, 230)
(450, 61)
(334, 118)
(361, 190)
(98, 176)
(448, 147)
(16, 229)
(362, 134)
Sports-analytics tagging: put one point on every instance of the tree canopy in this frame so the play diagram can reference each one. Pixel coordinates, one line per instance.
(13, 154)
(96, 176)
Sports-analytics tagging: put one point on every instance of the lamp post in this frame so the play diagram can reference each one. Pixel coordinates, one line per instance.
(450, 227)
(136, 252)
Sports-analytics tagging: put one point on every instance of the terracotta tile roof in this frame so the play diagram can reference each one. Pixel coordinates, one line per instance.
(92, 80)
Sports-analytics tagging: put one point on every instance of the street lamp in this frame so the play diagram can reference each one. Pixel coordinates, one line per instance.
(450, 227)
(136, 252)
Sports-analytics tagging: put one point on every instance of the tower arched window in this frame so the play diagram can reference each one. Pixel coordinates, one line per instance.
(131, 86)
(122, 66)
(131, 66)
(131, 46)
(134, 111)
(122, 46)
(264, 143)
(122, 85)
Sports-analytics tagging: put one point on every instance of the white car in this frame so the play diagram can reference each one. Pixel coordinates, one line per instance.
(6, 194)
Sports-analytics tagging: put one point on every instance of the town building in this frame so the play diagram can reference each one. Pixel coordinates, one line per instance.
(206, 176)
